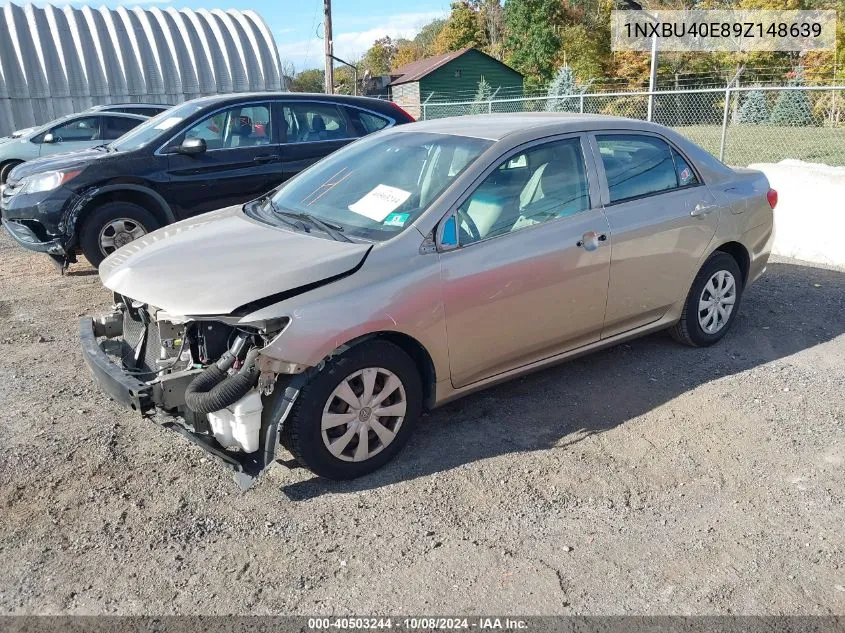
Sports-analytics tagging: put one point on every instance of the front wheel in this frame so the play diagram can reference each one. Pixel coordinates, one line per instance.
(712, 303)
(111, 226)
(356, 413)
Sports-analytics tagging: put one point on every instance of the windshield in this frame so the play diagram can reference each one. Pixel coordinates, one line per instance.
(377, 186)
(155, 127)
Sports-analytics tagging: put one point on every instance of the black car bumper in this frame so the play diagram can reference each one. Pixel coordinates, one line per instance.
(35, 220)
(123, 387)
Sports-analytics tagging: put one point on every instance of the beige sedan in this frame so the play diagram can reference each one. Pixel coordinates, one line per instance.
(418, 265)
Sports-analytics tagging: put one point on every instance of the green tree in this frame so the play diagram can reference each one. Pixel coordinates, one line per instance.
(482, 98)
(532, 39)
(793, 106)
(462, 30)
(379, 58)
(561, 90)
(754, 109)
(312, 80)
(428, 33)
(407, 51)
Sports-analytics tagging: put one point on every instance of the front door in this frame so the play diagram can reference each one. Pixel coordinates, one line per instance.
(662, 218)
(242, 161)
(528, 279)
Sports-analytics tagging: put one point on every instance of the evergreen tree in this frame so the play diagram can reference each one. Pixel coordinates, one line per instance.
(561, 90)
(793, 106)
(482, 98)
(754, 108)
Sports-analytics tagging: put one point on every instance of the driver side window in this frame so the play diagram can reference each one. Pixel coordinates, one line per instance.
(239, 126)
(543, 183)
(83, 129)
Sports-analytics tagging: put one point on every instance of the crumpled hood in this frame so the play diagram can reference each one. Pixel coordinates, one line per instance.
(219, 261)
(71, 160)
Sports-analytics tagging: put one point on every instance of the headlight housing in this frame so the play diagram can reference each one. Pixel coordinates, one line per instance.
(48, 181)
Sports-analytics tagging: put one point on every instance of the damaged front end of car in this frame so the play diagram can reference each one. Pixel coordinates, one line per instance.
(207, 378)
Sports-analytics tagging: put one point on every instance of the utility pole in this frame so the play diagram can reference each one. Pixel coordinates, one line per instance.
(327, 42)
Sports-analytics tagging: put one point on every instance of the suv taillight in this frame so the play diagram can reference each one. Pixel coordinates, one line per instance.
(402, 110)
(772, 197)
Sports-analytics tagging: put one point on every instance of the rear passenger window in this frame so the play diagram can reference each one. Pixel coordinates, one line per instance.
(313, 122)
(366, 123)
(686, 176)
(637, 165)
(117, 126)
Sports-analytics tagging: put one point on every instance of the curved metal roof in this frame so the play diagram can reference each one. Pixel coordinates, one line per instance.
(55, 61)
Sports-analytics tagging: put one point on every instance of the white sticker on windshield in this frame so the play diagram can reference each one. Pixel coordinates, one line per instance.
(168, 123)
(379, 203)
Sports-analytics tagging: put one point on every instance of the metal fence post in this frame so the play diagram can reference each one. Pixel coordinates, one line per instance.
(581, 104)
(725, 124)
(490, 107)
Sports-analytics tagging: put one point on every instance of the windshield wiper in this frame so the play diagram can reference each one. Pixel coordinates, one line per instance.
(333, 230)
(328, 227)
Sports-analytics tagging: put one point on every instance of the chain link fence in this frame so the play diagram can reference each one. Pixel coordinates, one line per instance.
(738, 125)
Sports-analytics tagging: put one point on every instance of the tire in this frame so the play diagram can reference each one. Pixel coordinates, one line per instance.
(303, 435)
(137, 220)
(6, 168)
(696, 328)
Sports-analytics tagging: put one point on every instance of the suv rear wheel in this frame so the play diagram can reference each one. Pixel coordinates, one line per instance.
(356, 413)
(111, 226)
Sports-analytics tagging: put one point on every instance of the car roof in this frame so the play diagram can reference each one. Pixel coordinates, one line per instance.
(109, 106)
(495, 127)
(234, 98)
(124, 115)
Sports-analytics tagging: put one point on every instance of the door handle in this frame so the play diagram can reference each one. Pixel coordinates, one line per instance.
(701, 210)
(265, 158)
(591, 240)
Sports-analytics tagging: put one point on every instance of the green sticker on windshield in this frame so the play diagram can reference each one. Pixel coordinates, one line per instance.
(396, 219)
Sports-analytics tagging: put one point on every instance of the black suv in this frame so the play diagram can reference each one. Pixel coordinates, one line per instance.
(199, 156)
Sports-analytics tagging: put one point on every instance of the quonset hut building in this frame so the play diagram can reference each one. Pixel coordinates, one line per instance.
(55, 61)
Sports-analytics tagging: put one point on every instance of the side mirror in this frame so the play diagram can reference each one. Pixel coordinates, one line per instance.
(192, 146)
(49, 138)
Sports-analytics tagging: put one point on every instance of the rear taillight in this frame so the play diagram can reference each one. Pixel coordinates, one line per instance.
(772, 197)
(402, 110)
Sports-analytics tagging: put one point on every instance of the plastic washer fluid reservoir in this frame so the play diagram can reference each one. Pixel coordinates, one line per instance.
(239, 425)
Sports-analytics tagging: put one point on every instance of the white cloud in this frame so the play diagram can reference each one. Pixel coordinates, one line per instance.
(352, 44)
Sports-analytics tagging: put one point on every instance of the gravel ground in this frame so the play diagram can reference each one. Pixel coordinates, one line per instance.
(649, 478)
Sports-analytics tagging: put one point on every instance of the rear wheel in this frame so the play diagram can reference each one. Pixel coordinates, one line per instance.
(111, 226)
(712, 303)
(6, 168)
(356, 413)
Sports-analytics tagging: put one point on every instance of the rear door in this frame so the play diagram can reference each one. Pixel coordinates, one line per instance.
(242, 160)
(311, 130)
(662, 217)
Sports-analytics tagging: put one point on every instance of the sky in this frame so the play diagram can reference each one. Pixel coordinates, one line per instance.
(297, 25)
